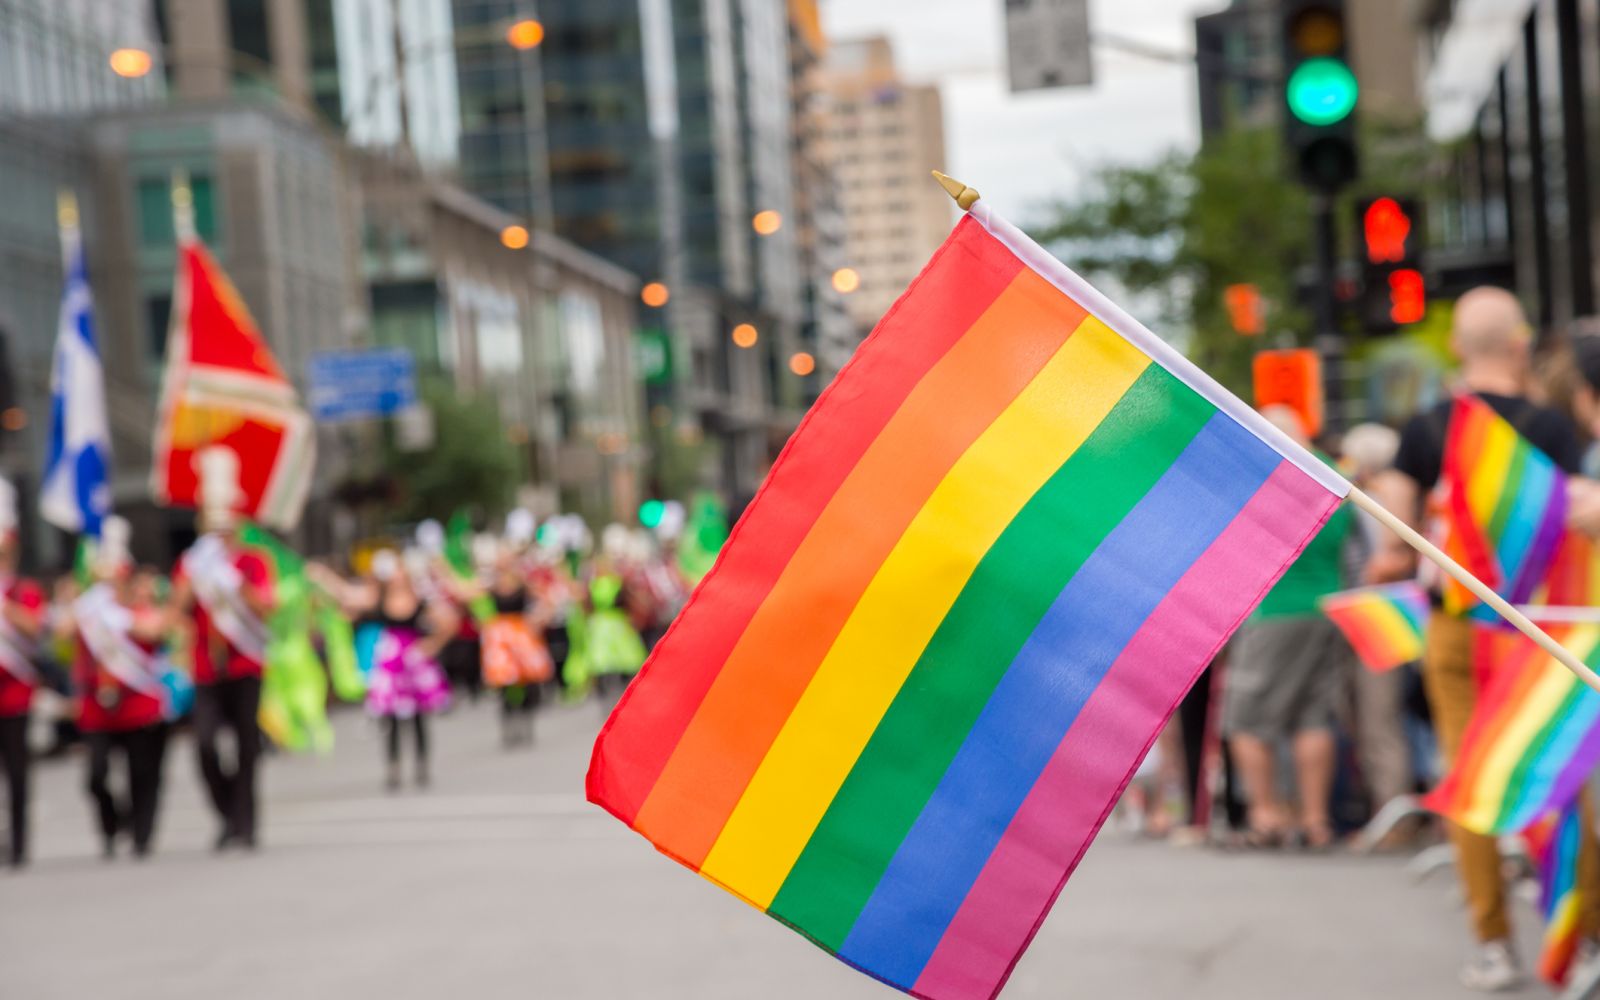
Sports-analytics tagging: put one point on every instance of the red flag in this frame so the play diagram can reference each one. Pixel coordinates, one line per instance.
(222, 386)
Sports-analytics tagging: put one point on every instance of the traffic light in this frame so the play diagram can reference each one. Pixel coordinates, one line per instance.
(1246, 311)
(1320, 93)
(1394, 292)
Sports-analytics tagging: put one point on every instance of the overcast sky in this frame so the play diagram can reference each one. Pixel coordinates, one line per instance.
(1020, 150)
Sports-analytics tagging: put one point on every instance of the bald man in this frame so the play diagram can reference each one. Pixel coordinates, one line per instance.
(1492, 339)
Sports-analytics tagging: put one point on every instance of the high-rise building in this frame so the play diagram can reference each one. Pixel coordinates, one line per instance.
(54, 54)
(828, 334)
(663, 131)
(386, 71)
(887, 135)
(1512, 95)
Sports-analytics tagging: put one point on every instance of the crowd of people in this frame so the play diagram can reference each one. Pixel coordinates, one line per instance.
(131, 654)
(1287, 742)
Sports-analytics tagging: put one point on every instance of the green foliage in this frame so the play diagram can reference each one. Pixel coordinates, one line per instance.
(470, 464)
(1173, 235)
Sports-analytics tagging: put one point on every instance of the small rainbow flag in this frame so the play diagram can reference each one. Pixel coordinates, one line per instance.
(1553, 844)
(1505, 506)
(974, 586)
(1533, 738)
(1383, 624)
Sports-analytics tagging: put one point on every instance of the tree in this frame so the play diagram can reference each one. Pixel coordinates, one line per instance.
(1177, 232)
(471, 462)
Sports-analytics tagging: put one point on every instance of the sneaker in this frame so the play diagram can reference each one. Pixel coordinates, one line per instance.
(1583, 979)
(1493, 969)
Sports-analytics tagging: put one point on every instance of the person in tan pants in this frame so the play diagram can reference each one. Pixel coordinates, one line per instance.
(1491, 338)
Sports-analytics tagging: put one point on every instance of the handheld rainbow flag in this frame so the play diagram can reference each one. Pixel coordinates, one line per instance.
(1533, 738)
(1553, 844)
(1505, 507)
(1383, 624)
(976, 583)
(223, 386)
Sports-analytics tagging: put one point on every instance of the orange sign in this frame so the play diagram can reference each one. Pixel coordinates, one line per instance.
(1293, 379)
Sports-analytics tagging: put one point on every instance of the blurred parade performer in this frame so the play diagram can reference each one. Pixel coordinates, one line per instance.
(22, 609)
(611, 651)
(122, 695)
(228, 591)
(1491, 338)
(406, 681)
(515, 660)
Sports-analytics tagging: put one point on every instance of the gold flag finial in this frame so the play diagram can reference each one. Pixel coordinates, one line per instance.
(964, 196)
(66, 209)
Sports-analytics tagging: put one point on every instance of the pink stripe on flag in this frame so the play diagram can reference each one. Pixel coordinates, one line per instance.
(1064, 810)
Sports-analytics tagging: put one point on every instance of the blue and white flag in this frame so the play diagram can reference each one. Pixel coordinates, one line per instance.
(76, 492)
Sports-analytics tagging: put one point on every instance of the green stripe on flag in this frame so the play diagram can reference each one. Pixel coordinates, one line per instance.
(1012, 588)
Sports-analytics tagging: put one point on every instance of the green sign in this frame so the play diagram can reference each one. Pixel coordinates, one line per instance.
(652, 349)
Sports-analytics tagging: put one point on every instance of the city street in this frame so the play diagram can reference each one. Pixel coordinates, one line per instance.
(500, 881)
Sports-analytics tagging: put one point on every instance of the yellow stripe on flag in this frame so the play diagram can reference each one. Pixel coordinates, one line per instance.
(1483, 492)
(1541, 703)
(910, 594)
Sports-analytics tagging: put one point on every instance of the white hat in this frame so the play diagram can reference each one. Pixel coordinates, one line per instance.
(220, 495)
(430, 537)
(520, 527)
(111, 554)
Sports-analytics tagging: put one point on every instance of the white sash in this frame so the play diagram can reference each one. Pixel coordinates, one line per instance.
(219, 589)
(16, 650)
(105, 626)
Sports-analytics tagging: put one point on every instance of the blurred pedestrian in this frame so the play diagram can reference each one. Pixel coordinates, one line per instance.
(1377, 697)
(1492, 340)
(122, 697)
(1286, 670)
(225, 591)
(21, 624)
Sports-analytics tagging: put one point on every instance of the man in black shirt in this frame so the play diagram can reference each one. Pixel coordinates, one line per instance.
(1492, 339)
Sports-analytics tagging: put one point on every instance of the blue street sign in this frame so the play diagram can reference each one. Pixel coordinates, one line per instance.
(361, 385)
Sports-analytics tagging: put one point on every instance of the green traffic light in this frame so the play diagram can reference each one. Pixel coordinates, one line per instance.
(1322, 91)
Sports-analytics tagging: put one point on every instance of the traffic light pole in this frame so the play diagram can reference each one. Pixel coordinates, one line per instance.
(1327, 339)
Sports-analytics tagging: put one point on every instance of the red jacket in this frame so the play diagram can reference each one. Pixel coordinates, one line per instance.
(16, 693)
(256, 573)
(106, 704)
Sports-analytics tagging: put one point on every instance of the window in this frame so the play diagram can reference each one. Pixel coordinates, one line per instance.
(155, 210)
(157, 318)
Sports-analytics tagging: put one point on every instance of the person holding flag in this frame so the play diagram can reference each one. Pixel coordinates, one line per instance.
(22, 609)
(75, 493)
(227, 589)
(122, 697)
(1492, 339)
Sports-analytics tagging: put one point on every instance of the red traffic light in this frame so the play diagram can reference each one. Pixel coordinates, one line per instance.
(1245, 312)
(1386, 228)
(1408, 296)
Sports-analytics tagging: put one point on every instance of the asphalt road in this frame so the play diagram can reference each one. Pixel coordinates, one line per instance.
(499, 881)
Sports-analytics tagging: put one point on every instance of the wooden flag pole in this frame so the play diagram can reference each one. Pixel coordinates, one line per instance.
(966, 197)
(1480, 590)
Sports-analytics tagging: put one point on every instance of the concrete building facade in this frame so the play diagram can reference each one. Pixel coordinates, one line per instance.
(887, 135)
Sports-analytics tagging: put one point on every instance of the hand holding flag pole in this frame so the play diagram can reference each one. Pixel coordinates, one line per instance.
(965, 197)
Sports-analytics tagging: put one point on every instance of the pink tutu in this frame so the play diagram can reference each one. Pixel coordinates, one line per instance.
(405, 682)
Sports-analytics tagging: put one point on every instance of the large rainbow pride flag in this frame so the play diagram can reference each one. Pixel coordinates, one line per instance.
(974, 586)
(1533, 738)
(1505, 507)
(1383, 624)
